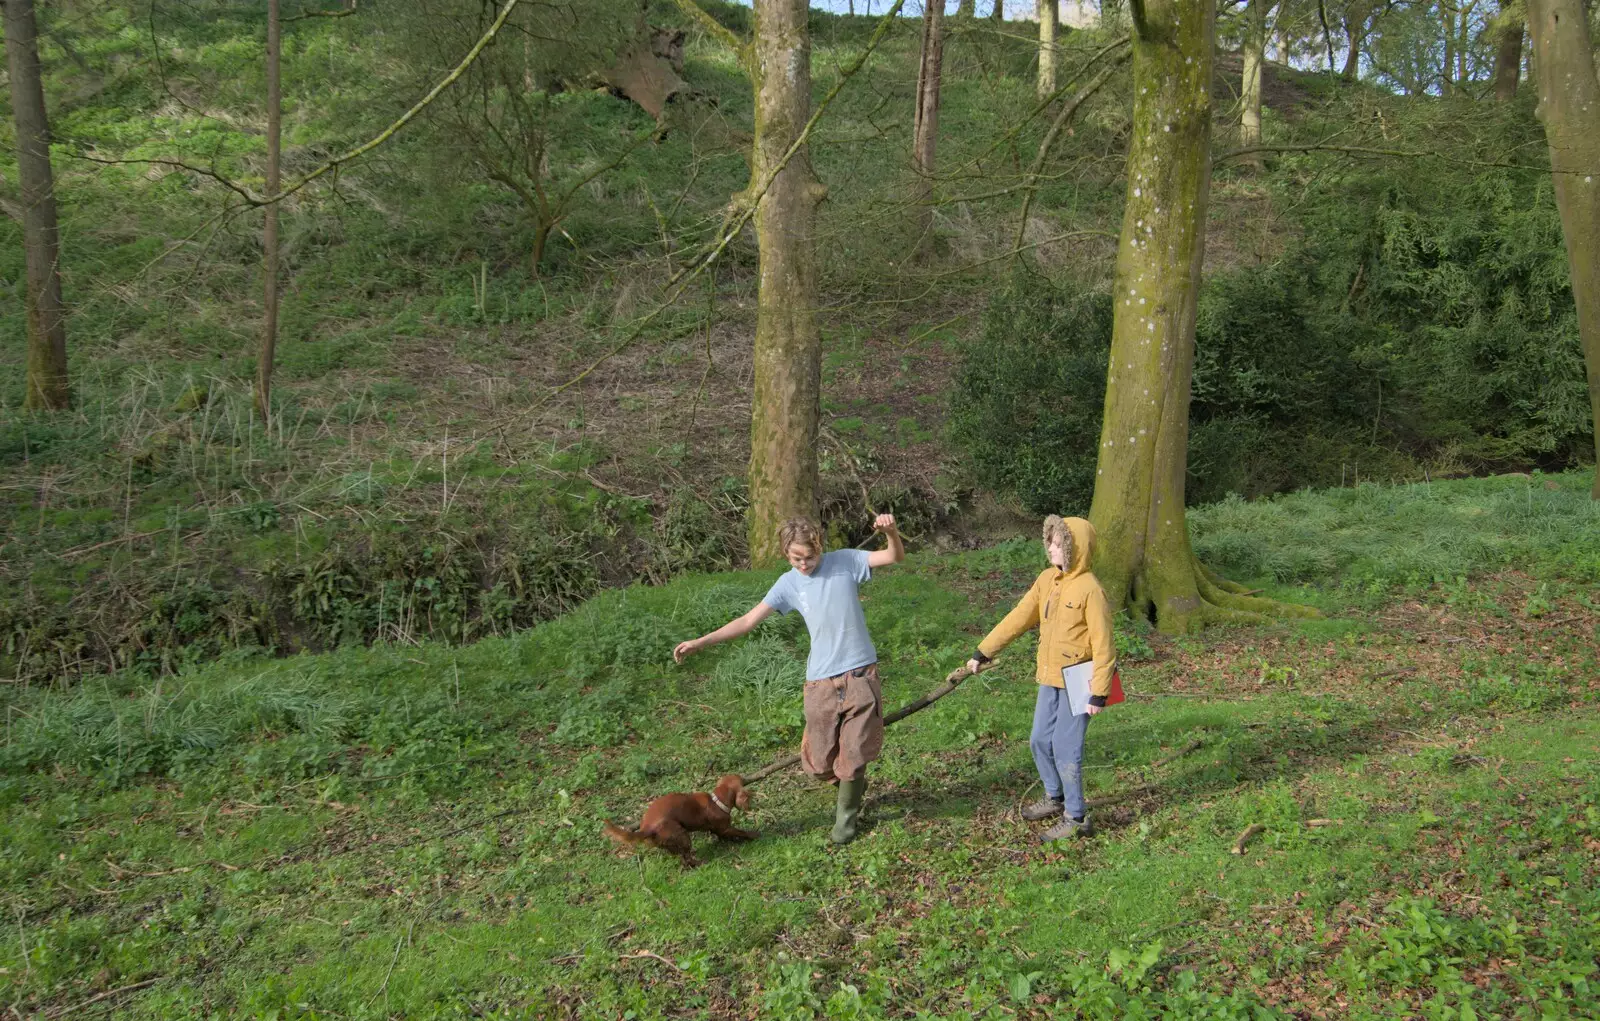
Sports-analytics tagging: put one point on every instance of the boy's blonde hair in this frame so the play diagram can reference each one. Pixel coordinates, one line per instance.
(801, 532)
(1055, 528)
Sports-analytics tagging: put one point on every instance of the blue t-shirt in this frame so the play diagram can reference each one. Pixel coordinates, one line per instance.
(828, 600)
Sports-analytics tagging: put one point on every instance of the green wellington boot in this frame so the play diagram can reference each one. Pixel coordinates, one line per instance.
(848, 812)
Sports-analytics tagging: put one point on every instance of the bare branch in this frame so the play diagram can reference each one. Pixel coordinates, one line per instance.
(1062, 120)
(210, 172)
(1327, 34)
(740, 48)
(303, 15)
(1358, 150)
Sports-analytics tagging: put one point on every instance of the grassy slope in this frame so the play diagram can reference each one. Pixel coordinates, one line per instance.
(414, 830)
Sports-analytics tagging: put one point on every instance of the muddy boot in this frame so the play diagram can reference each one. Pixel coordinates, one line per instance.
(1044, 808)
(848, 812)
(1068, 827)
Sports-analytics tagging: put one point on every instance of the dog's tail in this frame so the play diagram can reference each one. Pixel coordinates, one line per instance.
(624, 837)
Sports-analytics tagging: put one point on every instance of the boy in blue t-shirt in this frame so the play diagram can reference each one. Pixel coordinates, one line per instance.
(843, 701)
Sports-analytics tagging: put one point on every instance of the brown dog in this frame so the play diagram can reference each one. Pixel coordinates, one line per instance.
(669, 819)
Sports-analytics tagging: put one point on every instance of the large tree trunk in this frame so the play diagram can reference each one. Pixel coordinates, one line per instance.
(47, 385)
(1143, 556)
(1049, 18)
(1569, 106)
(1507, 55)
(785, 406)
(997, 13)
(269, 235)
(966, 8)
(1255, 48)
(925, 121)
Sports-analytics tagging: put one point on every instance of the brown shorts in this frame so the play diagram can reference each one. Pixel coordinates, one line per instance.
(844, 724)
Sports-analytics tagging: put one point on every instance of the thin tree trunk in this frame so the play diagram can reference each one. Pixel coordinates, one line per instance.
(1463, 41)
(1143, 557)
(1507, 56)
(785, 406)
(47, 382)
(997, 13)
(1447, 15)
(925, 121)
(1355, 33)
(1049, 18)
(1569, 106)
(269, 235)
(1255, 46)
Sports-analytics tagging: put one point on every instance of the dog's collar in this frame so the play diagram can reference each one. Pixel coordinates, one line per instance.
(718, 802)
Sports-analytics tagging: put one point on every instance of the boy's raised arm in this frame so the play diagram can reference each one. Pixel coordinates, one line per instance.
(895, 551)
(735, 628)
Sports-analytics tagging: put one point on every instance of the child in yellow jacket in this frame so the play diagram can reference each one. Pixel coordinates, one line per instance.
(1068, 606)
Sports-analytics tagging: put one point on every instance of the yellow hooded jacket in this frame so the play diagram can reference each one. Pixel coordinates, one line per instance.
(1073, 617)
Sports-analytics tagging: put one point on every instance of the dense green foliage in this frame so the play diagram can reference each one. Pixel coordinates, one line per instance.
(1413, 325)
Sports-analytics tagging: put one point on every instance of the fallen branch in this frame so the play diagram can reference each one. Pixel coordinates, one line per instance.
(1404, 671)
(1249, 833)
(108, 994)
(1180, 753)
(1120, 796)
(1324, 822)
(650, 954)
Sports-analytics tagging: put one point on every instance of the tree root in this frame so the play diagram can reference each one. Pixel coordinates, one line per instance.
(1225, 601)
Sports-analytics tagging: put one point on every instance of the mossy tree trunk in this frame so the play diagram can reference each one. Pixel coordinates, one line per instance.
(997, 13)
(1569, 106)
(925, 121)
(785, 405)
(1049, 18)
(47, 382)
(1255, 49)
(1508, 29)
(1143, 557)
(269, 235)
(966, 8)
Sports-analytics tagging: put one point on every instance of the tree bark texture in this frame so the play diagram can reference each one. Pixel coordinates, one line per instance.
(785, 406)
(1356, 17)
(966, 8)
(1143, 557)
(997, 13)
(1049, 18)
(1255, 49)
(269, 234)
(925, 120)
(47, 381)
(1507, 56)
(1569, 106)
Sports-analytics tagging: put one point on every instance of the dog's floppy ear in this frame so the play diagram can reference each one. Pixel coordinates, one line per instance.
(731, 790)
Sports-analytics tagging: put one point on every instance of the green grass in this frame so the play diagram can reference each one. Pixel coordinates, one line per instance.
(413, 830)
